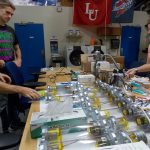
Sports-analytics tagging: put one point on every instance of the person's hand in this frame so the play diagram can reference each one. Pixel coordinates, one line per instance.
(29, 93)
(5, 78)
(2, 63)
(17, 62)
(130, 73)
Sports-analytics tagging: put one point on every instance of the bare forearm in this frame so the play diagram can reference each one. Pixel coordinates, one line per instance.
(8, 88)
(18, 55)
(144, 68)
(18, 52)
(24, 91)
(17, 60)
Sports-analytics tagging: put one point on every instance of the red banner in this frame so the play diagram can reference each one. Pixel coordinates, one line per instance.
(92, 12)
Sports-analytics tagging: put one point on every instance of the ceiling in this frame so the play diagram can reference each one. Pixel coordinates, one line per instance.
(142, 5)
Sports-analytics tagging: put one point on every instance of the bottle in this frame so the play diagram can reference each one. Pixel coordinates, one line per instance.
(92, 41)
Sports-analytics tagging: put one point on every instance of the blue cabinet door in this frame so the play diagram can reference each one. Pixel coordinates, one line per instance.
(31, 41)
(130, 41)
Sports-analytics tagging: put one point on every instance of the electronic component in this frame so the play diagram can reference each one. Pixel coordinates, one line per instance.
(52, 140)
(95, 130)
(108, 139)
(117, 123)
(106, 129)
(131, 109)
(139, 135)
(142, 119)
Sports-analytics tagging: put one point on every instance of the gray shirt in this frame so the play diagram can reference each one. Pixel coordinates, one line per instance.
(3, 101)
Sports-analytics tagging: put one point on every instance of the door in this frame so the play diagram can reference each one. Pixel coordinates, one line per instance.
(31, 41)
(130, 42)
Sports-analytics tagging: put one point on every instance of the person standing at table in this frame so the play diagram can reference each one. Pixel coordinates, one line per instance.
(9, 47)
(9, 51)
(143, 68)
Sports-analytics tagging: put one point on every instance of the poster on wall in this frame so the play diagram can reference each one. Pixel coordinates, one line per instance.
(34, 2)
(92, 12)
(122, 11)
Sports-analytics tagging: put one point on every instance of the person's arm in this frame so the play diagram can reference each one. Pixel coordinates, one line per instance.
(131, 72)
(148, 55)
(143, 68)
(24, 91)
(5, 78)
(17, 60)
(2, 64)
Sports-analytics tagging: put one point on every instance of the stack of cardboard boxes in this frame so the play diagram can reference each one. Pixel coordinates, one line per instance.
(87, 59)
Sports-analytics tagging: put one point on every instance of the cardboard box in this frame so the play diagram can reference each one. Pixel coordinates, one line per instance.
(86, 60)
(63, 121)
(88, 79)
(86, 67)
(102, 31)
(118, 59)
(68, 3)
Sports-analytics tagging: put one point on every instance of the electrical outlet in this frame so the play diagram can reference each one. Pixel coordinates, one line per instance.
(59, 8)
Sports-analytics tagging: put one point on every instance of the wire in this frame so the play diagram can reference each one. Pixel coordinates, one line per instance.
(52, 78)
(75, 140)
(61, 69)
(113, 61)
(60, 72)
(71, 143)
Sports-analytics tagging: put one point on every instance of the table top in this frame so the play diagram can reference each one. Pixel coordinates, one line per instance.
(51, 77)
(27, 143)
(54, 75)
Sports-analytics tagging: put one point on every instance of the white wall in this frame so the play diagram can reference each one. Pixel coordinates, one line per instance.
(58, 23)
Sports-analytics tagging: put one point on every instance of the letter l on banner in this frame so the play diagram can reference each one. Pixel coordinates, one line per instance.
(92, 12)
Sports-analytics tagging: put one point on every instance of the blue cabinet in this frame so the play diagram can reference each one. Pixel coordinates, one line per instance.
(31, 41)
(130, 42)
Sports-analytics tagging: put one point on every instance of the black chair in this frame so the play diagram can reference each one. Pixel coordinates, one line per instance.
(17, 78)
(9, 140)
(36, 75)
